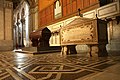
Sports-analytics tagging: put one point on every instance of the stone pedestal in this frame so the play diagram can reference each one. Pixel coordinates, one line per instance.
(98, 50)
(93, 50)
(102, 50)
(69, 49)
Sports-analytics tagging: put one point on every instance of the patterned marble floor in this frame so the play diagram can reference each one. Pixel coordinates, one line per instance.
(53, 66)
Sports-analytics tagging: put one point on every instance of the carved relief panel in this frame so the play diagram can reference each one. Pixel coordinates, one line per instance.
(84, 32)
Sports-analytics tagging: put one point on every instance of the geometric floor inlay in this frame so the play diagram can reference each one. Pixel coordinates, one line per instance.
(20, 66)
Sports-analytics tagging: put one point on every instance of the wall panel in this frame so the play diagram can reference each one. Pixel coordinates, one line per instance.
(80, 4)
(68, 1)
(44, 3)
(74, 6)
(64, 2)
(64, 11)
(92, 1)
(86, 3)
(68, 9)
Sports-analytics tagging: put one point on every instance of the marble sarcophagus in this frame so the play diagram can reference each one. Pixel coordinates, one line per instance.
(92, 32)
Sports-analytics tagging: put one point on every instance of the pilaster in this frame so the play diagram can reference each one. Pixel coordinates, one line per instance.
(34, 17)
(6, 41)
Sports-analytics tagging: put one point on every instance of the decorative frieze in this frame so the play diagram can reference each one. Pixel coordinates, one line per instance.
(83, 33)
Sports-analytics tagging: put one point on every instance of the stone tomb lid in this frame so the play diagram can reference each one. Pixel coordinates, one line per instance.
(79, 20)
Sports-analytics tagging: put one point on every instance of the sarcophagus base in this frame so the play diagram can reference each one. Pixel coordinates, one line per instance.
(98, 50)
(69, 49)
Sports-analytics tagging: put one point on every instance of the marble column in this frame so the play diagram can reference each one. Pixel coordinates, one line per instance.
(23, 25)
(18, 34)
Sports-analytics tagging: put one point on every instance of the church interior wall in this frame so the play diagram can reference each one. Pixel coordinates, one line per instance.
(44, 3)
(6, 38)
(113, 27)
(1, 22)
(114, 36)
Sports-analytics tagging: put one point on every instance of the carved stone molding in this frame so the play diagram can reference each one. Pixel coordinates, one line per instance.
(34, 10)
(84, 33)
(106, 11)
(8, 4)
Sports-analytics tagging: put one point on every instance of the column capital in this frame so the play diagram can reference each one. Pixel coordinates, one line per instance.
(33, 10)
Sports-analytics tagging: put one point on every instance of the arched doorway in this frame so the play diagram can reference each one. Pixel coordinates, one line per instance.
(21, 25)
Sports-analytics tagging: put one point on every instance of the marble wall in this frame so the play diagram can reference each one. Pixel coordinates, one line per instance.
(114, 36)
(1, 21)
(6, 42)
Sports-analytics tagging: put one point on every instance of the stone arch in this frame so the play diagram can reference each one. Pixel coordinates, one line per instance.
(21, 32)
